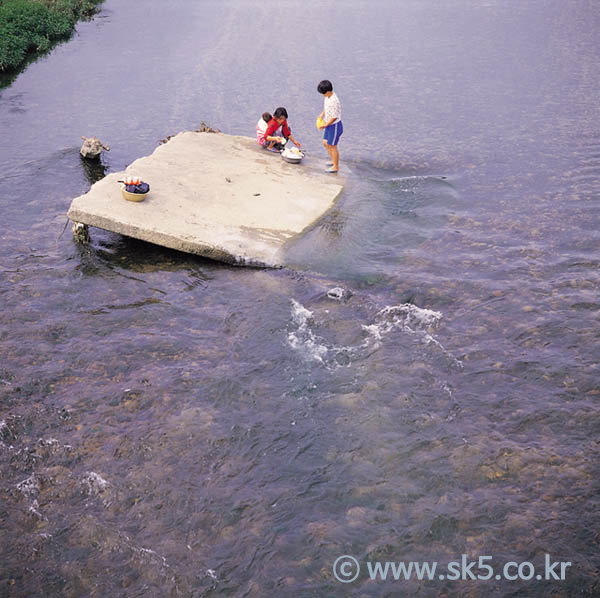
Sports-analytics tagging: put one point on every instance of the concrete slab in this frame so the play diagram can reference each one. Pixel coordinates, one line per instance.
(214, 195)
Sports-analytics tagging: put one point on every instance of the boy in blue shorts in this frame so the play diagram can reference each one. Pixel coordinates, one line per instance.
(332, 127)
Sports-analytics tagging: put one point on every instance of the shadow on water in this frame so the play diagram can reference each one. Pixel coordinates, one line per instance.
(408, 166)
(7, 78)
(113, 252)
(94, 170)
(401, 164)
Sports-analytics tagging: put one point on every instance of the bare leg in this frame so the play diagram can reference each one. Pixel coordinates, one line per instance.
(328, 148)
(335, 156)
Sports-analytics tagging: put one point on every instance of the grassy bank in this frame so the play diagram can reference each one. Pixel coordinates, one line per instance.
(33, 25)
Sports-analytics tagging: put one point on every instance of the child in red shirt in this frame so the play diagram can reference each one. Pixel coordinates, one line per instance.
(274, 142)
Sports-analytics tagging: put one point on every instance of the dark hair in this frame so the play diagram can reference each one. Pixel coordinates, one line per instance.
(324, 86)
(267, 116)
(279, 112)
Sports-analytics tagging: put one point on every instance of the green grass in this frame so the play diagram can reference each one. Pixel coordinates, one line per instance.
(33, 25)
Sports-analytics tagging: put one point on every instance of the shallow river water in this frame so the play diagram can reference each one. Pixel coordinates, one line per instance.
(420, 383)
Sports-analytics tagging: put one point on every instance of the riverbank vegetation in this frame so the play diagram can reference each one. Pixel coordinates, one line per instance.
(28, 26)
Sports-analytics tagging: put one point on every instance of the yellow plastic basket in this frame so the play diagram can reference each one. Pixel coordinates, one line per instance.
(133, 196)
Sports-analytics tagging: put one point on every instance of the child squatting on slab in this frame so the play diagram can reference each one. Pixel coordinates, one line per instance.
(332, 126)
(275, 132)
(261, 127)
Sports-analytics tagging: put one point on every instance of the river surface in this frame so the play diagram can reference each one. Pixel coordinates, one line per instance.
(420, 383)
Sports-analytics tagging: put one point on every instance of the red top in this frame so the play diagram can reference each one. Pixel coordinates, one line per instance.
(273, 125)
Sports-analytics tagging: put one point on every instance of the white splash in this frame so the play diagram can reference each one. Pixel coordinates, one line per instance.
(303, 338)
(406, 317)
(412, 320)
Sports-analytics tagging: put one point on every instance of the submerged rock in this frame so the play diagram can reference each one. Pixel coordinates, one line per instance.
(339, 294)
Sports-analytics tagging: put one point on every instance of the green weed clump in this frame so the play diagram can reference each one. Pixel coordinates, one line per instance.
(32, 26)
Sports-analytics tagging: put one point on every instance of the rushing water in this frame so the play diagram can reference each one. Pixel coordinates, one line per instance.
(420, 383)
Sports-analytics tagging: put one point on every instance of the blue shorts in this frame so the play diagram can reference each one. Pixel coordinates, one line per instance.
(333, 132)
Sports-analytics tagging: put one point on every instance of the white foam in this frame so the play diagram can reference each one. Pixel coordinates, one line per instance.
(446, 388)
(30, 486)
(300, 314)
(373, 330)
(49, 442)
(53, 444)
(94, 483)
(5, 431)
(34, 510)
(150, 556)
(409, 315)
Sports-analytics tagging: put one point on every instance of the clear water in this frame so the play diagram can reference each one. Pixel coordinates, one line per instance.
(420, 383)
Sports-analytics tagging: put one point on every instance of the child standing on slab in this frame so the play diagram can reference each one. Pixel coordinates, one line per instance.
(332, 124)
